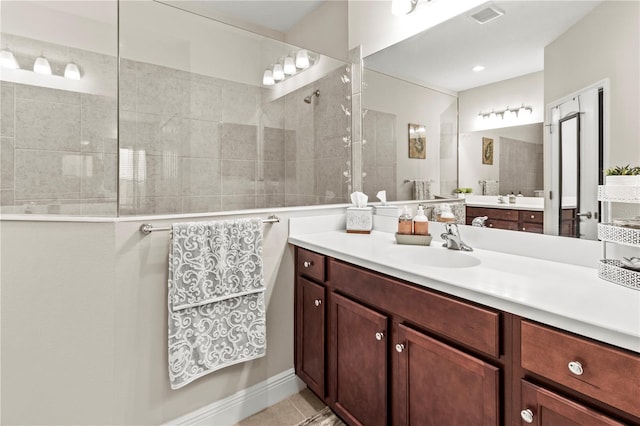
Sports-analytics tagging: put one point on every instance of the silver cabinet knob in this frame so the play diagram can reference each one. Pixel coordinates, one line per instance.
(533, 217)
(306, 263)
(576, 368)
(399, 347)
(527, 415)
(379, 335)
(317, 302)
(524, 229)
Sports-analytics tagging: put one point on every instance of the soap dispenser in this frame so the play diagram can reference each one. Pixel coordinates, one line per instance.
(404, 222)
(420, 223)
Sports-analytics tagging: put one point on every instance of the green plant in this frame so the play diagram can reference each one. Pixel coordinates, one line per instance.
(463, 190)
(623, 171)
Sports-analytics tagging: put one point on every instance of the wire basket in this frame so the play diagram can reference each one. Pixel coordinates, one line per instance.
(619, 194)
(618, 234)
(612, 270)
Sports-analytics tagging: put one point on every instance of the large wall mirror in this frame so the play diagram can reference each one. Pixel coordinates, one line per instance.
(492, 89)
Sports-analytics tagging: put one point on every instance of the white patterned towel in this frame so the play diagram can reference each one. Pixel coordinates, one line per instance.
(421, 189)
(216, 297)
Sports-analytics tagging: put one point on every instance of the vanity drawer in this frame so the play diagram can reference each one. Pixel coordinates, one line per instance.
(310, 264)
(608, 374)
(530, 216)
(501, 224)
(500, 214)
(471, 325)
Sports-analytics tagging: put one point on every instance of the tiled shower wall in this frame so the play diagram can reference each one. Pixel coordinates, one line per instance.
(379, 154)
(521, 167)
(192, 143)
(188, 143)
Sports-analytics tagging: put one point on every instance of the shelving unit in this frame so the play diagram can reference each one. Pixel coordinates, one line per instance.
(611, 269)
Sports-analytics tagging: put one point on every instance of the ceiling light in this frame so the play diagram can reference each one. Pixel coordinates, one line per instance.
(506, 114)
(302, 59)
(41, 66)
(478, 68)
(403, 7)
(72, 72)
(278, 72)
(7, 60)
(492, 115)
(267, 78)
(289, 66)
(524, 111)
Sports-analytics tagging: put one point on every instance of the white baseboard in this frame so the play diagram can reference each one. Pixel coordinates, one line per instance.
(244, 403)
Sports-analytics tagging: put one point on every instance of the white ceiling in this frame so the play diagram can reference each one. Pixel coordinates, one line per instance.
(279, 15)
(512, 45)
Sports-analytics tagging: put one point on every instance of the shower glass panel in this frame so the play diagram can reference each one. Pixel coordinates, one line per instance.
(200, 132)
(58, 123)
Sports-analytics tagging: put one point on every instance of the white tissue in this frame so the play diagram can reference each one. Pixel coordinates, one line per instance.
(359, 199)
(382, 196)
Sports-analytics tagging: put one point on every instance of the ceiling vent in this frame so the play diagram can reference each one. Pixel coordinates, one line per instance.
(487, 14)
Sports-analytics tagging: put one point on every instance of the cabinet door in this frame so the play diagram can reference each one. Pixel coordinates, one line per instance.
(438, 385)
(542, 407)
(310, 334)
(359, 363)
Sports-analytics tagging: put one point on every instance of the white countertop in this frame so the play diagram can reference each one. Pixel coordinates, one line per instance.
(566, 296)
(496, 205)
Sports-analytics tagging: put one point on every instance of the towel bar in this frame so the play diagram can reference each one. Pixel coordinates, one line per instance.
(147, 228)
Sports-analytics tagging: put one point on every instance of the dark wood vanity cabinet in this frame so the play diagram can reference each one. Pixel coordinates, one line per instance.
(358, 348)
(310, 320)
(435, 384)
(510, 219)
(381, 351)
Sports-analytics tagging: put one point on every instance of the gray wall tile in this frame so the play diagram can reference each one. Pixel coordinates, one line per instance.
(273, 148)
(238, 202)
(99, 124)
(47, 174)
(238, 177)
(201, 176)
(47, 126)
(203, 139)
(239, 142)
(7, 109)
(6, 162)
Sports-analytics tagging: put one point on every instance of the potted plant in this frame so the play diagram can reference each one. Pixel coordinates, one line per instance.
(623, 175)
(461, 192)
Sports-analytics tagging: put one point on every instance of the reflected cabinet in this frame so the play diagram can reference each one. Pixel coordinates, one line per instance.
(382, 351)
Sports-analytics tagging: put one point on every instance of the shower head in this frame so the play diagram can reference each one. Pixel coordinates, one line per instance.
(308, 98)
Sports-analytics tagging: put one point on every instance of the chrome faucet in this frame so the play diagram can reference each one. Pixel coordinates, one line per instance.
(452, 238)
(479, 221)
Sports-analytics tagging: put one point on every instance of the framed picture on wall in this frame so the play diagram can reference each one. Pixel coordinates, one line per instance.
(487, 151)
(417, 141)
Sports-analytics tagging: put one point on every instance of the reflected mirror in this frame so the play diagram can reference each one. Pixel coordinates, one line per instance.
(493, 97)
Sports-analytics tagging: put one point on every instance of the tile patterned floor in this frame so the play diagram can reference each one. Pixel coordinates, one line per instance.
(288, 412)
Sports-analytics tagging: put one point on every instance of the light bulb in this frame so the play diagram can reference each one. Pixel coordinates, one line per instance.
(7, 60)
(289, 66)
(302, 59)
(492, 115)
(278, 72)
(72, 72)
(41, 66)
(267, 78)
(506, 114)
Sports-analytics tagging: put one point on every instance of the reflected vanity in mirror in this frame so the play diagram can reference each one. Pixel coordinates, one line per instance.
(532, 85)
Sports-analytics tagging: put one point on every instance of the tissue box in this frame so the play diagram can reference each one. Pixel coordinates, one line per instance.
(388, 211)
(359, 220)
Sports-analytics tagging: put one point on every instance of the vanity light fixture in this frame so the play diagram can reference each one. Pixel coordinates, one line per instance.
(288, 66)
(267, 77)
(72, 72)
(42, 66)
(8, 60)
(278, 72)
(302, 59)
(506, 113)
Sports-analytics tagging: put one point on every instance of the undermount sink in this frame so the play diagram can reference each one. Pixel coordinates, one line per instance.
(433, 255)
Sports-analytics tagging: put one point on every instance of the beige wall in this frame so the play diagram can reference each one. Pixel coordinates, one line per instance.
(331, 14)
(84, 324)
(605, 44)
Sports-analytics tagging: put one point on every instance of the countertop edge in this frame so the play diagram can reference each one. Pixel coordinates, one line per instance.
(556, 319)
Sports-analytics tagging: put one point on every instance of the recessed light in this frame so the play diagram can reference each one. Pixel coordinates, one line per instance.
(478, 68)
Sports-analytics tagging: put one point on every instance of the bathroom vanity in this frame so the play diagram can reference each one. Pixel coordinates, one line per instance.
(387, 335)
(527, 219)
